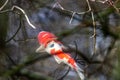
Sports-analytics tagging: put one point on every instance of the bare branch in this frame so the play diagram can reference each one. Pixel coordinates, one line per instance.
(94, 35)
(109, 2)
(34, 75)
(24, 15)
(72, 17)
(89, 9)
(4, 5)
(4, 11)
(15, 32)
(20, 10)
(73, 12)
(61, 78)
(30, 59)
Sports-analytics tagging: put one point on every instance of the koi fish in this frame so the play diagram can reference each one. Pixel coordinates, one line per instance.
(49, 43)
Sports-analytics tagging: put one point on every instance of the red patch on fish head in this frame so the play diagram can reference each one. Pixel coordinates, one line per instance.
(45, 37)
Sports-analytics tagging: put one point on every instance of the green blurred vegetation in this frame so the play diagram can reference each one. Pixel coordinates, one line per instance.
(116, 71)
(3, 26)
(4, 23)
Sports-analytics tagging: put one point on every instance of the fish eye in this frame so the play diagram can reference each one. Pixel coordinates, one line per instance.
(60, 44)
(52, 45)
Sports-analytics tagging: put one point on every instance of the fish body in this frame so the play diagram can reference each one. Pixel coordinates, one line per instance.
(51, 45)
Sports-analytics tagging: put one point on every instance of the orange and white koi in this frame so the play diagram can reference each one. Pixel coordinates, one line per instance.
(51, 45)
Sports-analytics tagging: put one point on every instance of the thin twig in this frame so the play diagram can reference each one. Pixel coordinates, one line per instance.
(11, 60)
(61, 78)
(61, 7)
(76, 49)
(30, 59)
(94, 35)
(18, 9)
(73, 12)
(94, 25)
(89, 9)
(8, 56)
(15, 32)
(4, 11)
(72, 17)
(24, 15)
(109, 2)
(81, 62)
(4, 5)
(113, 5)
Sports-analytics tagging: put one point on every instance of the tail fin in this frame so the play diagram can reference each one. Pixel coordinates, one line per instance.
(73, 65)
(80, 72)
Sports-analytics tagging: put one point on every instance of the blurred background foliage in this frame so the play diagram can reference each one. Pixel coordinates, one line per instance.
(18, 41)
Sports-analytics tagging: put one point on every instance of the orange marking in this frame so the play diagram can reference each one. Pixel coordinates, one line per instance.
(72, 62)
(62, 55)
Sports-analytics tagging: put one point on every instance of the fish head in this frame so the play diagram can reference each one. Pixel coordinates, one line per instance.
(45, 37)
(54, 47)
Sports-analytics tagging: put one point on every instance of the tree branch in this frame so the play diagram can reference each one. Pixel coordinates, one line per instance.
(4, 5)
(19, 67)
(34, 75)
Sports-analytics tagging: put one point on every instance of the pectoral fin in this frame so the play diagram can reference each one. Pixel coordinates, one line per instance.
(40, 49)
(57, 59)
